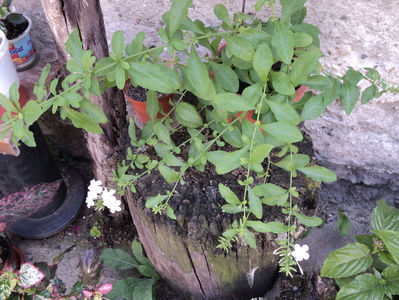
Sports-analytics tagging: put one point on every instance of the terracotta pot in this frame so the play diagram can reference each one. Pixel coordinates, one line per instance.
(140, 107)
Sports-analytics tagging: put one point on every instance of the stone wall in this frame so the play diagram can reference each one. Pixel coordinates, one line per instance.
(362, 147)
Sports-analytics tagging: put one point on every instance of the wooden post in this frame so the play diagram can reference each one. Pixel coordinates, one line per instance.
(63, 16)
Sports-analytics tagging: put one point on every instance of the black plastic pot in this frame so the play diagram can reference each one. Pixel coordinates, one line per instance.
(32, 166)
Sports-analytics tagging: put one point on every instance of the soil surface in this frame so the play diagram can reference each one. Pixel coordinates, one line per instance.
(15, 24)
(138, 93)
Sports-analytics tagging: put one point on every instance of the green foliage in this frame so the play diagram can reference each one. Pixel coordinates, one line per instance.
(131, 287)
(263, 60)
(370, 267)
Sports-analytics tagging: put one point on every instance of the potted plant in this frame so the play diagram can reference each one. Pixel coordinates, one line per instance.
(26, 166)
(225, 218)
(143, 103)
(17, 28)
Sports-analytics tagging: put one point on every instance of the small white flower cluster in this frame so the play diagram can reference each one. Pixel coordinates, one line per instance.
(98, 193)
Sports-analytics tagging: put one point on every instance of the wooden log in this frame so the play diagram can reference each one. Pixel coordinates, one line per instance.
(63, 16)
(184, 251)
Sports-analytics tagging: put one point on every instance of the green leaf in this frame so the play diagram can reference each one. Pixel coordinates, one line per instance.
(93, 111)
(365, 286)
(155, 200)
(232, 102)
(263, 61)
(304, 65)
(391, 275)
(349, 95)
(6, 103)
(318, 82)
(259, 153)
(124, 288)
(385, 217)
(198, 76)
(152, 107)
(292, 163)
(120, 77)
(118, 44)
(319, 174)
(350, 260)
(232, 208)
(313, 108)
(308, 221)
(284, 132)
(167, 157)
(226, 77)
(155, 77)
(274, 227)
(385, 257)
(228, 195)
(283, 41)
(162, 132)
(103, 66)
(178, 12)
(369, 93)
(366, 239)
(255, 204)
(170, 213)
(282, 84)
(148, 271)
(169, 174)
(284, 112)
(81, 120)
(252, 94)
(249, 238)
(240, 48)
(289, 7)
(137, 250)
(344, 225)
(118, 259)
(259, 4)
(222, 14)
(73, 46)
(310, 29)
(145, 290)
(273, 194)
(187, 115)
(391, 242)
(302, 39)
(31, 111)
(226, 162)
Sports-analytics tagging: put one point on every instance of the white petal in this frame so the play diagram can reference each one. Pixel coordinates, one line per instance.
(297, 247)
(305, 248)
(306, 256)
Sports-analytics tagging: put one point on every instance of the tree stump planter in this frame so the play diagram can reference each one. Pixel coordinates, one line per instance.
(184, 251)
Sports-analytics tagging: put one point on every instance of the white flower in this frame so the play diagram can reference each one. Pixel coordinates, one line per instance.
(94, 190)
(110, 201)
(90, 200)
(95, 186)
(300, 253)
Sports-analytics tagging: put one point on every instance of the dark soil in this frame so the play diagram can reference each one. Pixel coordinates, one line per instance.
(137, 93)
(197, 203)
(15, 24)
(304, 287)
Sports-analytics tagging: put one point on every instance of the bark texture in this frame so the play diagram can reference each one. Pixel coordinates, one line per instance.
(184, 252)
(63, 16)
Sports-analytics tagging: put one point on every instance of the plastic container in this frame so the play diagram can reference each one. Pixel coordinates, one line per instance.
(8, 74)
(21, 49)
(140, 108)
